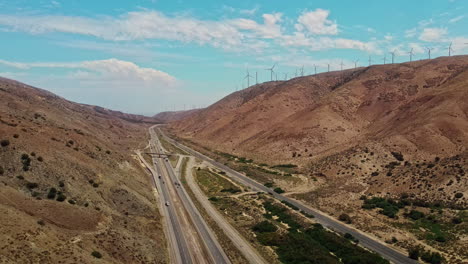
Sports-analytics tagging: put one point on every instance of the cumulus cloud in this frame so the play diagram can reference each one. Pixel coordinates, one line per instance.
(317, 23)
(433, 34)
(111, 71)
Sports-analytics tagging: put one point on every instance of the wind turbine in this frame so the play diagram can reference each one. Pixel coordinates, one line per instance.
(248, 76)
(285, 76)
(450, 49)
(429, 52)
(411, 53)
(341, 65)
(370, 60)
(384, 59)
(328, 67)
(315, 69)
(302, 70)
(271, 71)
(355, 63)
(256, 77)
(393, 56)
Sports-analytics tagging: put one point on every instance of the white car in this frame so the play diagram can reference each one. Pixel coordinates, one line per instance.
(167, 203)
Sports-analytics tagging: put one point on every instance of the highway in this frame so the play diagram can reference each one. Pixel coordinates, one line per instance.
(190, 239)
(365, 240)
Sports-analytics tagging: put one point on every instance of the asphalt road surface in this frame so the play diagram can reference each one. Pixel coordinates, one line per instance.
(373, 244)
(191, 239)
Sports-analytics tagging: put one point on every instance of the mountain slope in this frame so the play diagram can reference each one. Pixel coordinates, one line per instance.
(419, 109)
(70, 184)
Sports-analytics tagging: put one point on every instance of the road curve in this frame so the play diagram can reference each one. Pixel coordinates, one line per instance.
(237, 239)
(387, 252)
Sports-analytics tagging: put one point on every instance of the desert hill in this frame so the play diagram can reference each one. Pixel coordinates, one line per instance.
(172, 116)
(70, 185)
(418, 109)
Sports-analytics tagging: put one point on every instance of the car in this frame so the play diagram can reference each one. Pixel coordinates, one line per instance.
(167, 203)
(159, 176)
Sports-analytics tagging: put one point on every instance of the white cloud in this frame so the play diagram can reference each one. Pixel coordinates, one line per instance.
(317, 23)
(433, 34)
(299, 39)
(456, 19)
(269, 29)
(112, 72)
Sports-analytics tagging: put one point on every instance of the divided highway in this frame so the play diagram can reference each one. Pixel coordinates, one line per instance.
(191, 240)
(387, 252)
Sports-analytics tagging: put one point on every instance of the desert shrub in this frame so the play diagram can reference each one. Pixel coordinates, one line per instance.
(41, 222)
(457, 220)
(432, 257)
(440, 238)
(398, 156)
(285, 166)
(458, 195)
(345, 218)
(61, 184)
(71, 201)
(61, 197)
(33, 154)
(2, 171)
(16, 136)
(95, 185)
(40, 159)
(108, 152)
(268, 184)
(278, 190)
(20, 177)
(415, 215)
(32, 185)
(214, 199)
(5, 142)
(52, 193)
(290, 205)
(264, 226)
(96, 254)
(413, 253)
(375, 173)
(231, 190)
(389, 207)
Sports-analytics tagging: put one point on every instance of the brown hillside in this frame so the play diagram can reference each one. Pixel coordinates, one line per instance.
(172, 116)
(69, 184)
(419, 109)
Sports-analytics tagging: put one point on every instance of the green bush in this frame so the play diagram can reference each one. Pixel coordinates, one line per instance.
(52, 193)
(415, 215)
(413, 253)
(264, 226)
(458, 195)
(278, 190)
(96, 254)
(268, 184)
(61, 197)
(432, 257)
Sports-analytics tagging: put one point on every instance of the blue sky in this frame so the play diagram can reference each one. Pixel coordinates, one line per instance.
(147, 56)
